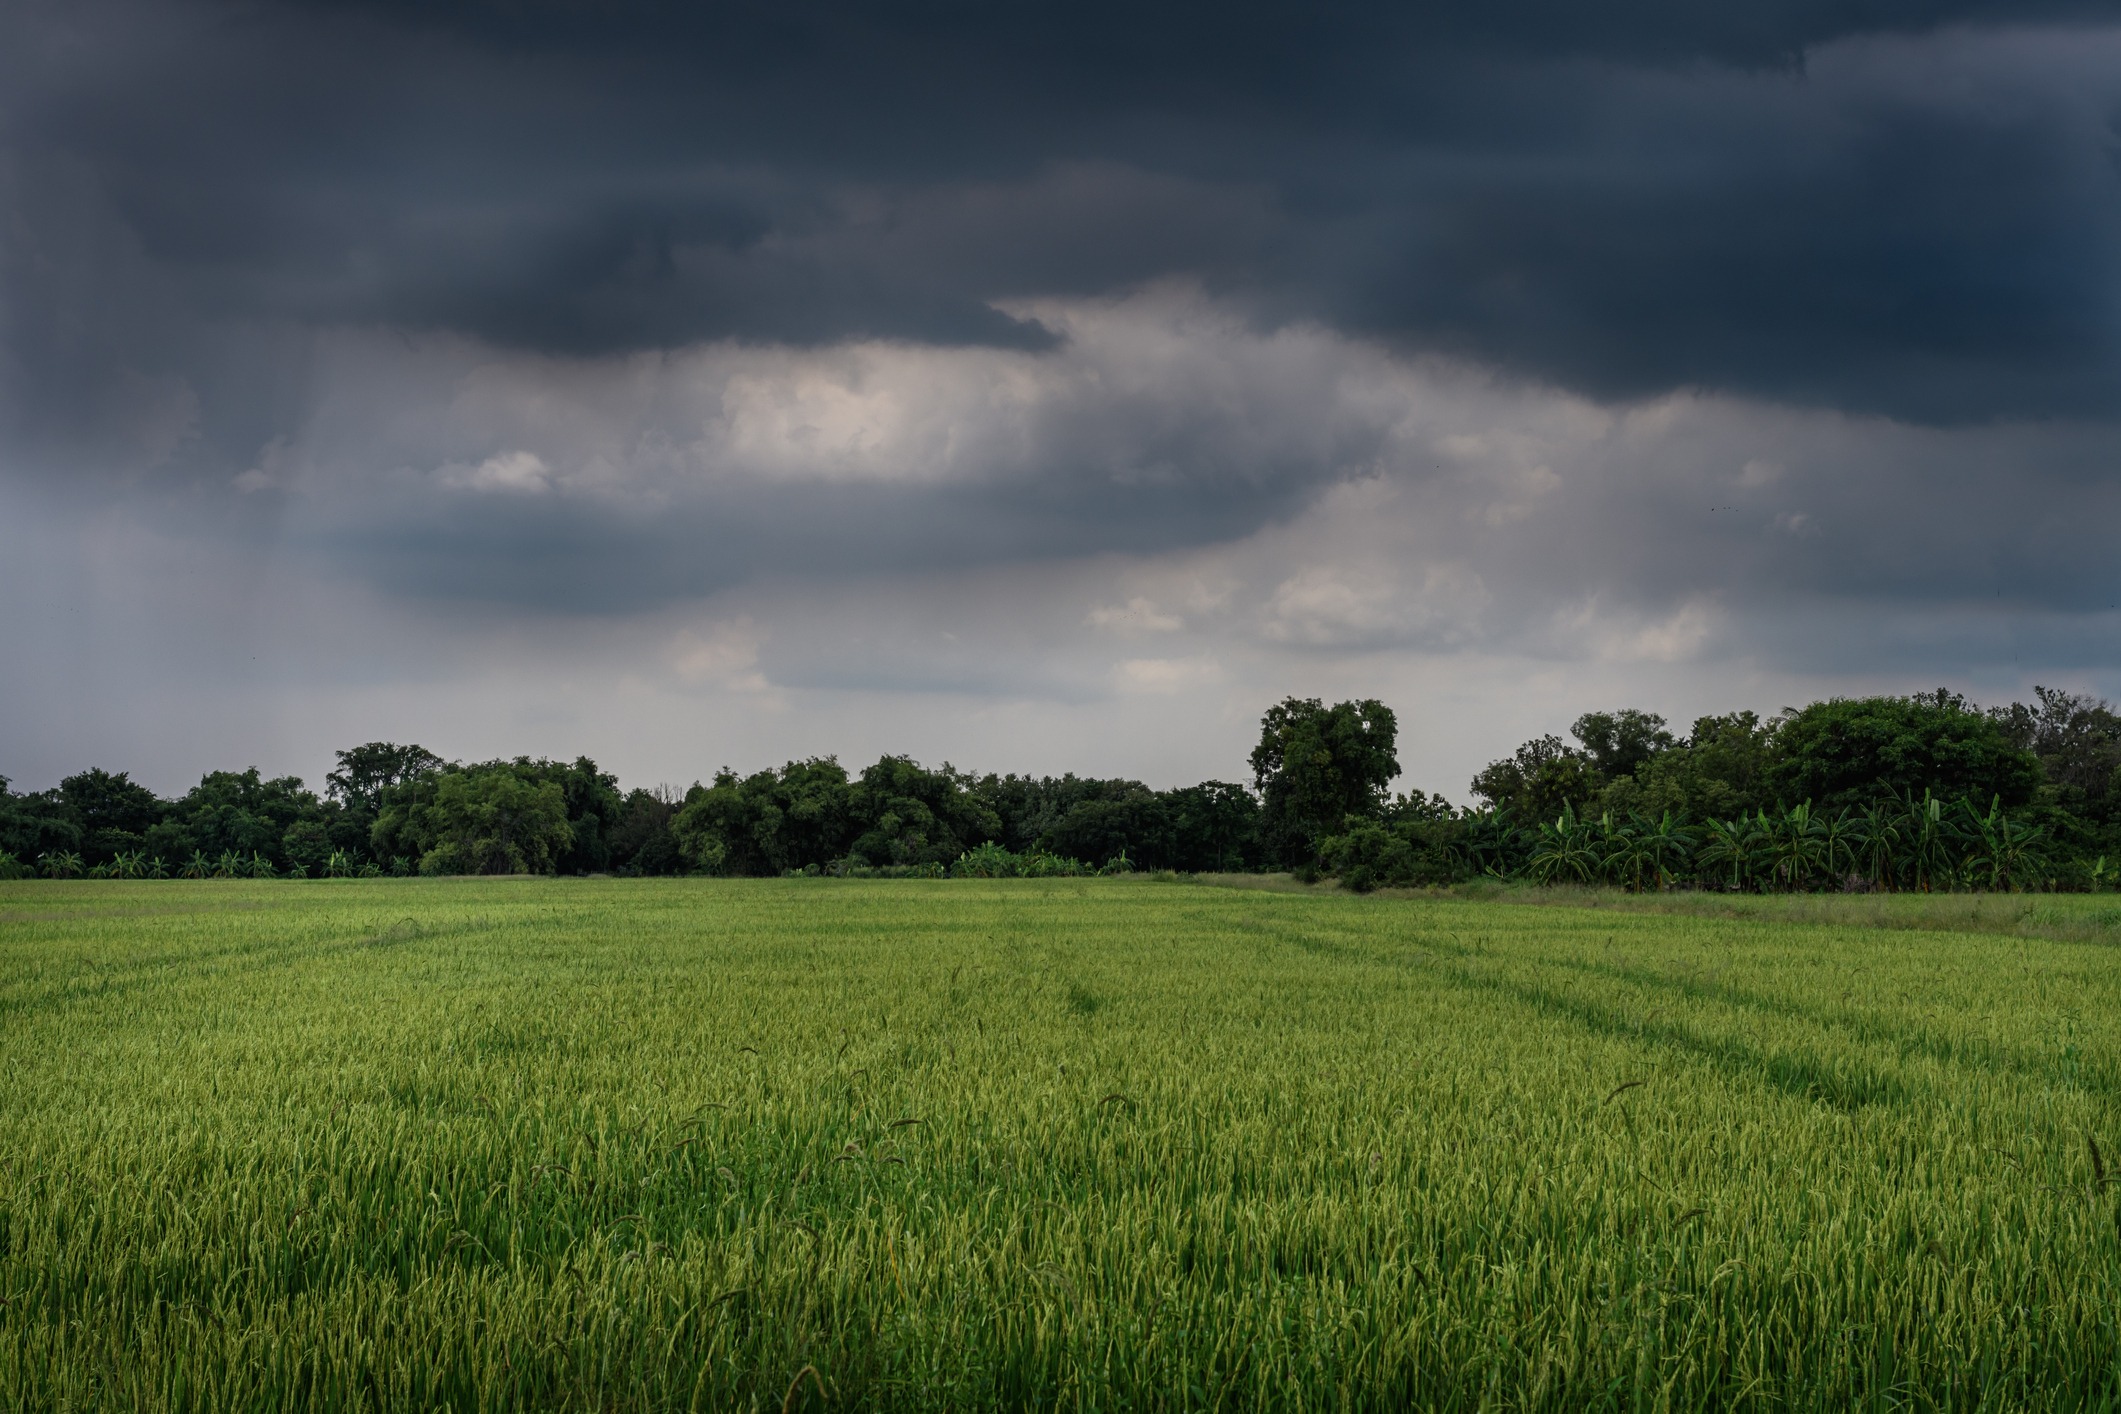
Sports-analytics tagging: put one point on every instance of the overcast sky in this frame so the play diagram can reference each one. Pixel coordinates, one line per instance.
(1039, 386)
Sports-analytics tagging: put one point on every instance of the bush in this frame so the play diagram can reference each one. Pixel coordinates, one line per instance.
(992, 861)
(1404, 854)
(854, 868)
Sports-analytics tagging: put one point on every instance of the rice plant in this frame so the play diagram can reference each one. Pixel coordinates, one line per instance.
(1062, 1143)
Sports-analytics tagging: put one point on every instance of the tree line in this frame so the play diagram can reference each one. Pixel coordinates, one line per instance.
(1924, 792)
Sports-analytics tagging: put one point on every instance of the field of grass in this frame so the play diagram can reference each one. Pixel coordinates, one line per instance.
(486, 1145)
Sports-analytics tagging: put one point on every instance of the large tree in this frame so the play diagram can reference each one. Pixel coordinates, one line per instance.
(640, 837)
(908, 814)
(34, 825)
(2077, 739)
(365, 772)
(1850, 750)
(769, 821)
(1545, 776)
(1622, 743)
(240, 812)
(1214, 827)
(494, 818)
(1316, 765)
(113, 812)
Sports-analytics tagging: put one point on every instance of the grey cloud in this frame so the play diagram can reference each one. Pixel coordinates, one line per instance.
(1921, 223)
(1746, 344)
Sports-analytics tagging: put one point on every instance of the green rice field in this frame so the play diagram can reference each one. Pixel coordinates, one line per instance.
(1073, 1144)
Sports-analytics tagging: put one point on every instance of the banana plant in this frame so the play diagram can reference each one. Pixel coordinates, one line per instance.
(1625, 862)
(129, 864)
(196, 867)
(1837, 844)
(1493, 844)
(60, 864)
(1670, 846)
(339, 866)
(1567, 850)
(2004, 854)
(1794, 842)
(1649, 854)
(229, 865)
(1729, 845)
(1929, 849)
(1876, 838)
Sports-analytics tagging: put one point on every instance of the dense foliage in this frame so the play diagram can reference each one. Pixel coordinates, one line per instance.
(1923, 792)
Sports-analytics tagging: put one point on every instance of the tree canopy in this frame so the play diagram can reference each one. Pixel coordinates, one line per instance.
(1317, 765)
(1930, 767)
(1846, 751)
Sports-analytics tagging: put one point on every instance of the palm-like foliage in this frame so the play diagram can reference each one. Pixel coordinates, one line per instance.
(1567, 851)
(196, 867)
(1729, 849)
(2002, 853)
(1876, 839)
(1927, 844)
(1793, 845)
(1493, 844)
(60, 864)
(1649, 854)
(1837, 844)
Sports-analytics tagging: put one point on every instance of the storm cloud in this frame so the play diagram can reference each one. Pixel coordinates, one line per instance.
(800, 367)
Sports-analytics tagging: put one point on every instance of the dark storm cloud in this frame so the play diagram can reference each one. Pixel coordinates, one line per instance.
(1621, 199)
(568, 558)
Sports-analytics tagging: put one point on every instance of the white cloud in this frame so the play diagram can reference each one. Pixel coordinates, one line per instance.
(1624, 637)
(1166, 675)
(1358, 605)
(1137, 615)
(517, 473)
(726, 655)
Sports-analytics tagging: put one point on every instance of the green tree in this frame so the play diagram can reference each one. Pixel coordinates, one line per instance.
(240, 812)
(1545, 777)
(1621, 743)
(768, 822)
(2077, 740)
(487, 819)
(1849, 751)
(112, 811)
(907, 814)
(363, 776)
(1135, 823)
(640, 838)
(593, 804)
(32, 826)
(1315, 766)
(1719, 771)
(1569, 850)
(307, 845)
(364, 773)
(1214, 828)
